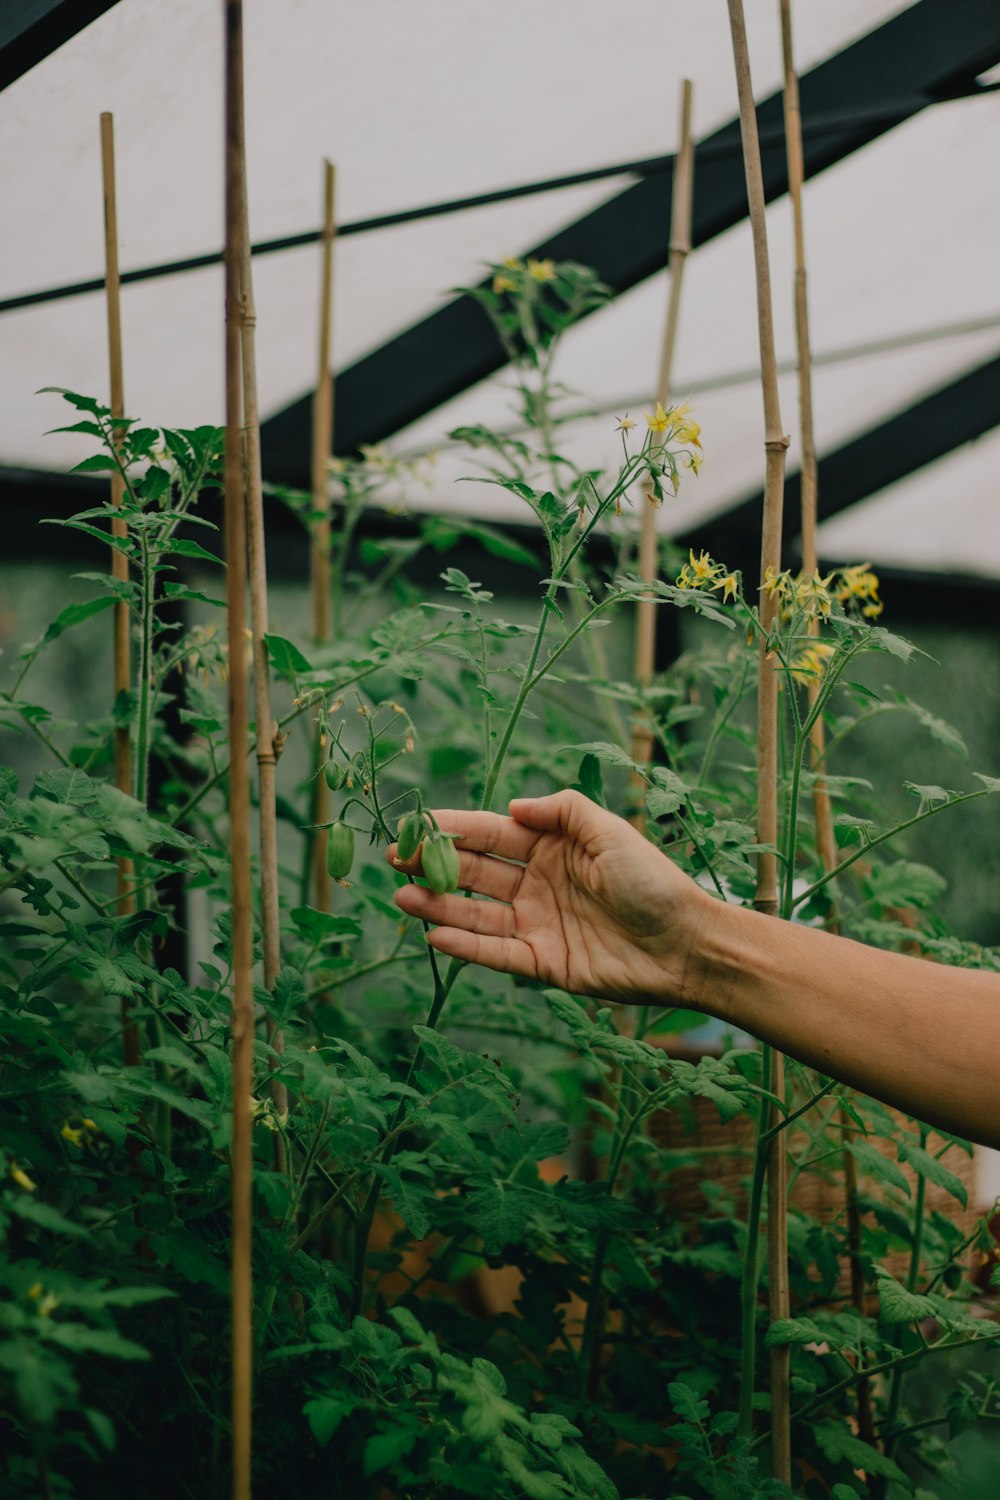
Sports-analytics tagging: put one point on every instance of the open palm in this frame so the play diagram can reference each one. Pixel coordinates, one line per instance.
(576, 897)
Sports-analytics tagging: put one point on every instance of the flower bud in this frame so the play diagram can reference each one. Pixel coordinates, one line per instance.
(410, 832)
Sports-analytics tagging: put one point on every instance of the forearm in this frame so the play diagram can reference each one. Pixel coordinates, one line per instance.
(918, 1035)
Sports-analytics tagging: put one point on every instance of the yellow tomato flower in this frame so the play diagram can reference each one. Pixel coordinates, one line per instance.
(659, 421)
(694, 462)
(729, 586)
(503, 283)
(625, 423)
(74, 1136)
(810, 666)
(775, 585)
(512, 263)
(688, 432)
(542, 270)
(873, 610)
(703, 569)
(35, 1290)
(22, 1179)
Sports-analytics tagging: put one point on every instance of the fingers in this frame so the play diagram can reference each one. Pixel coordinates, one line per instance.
(489, 833)
(507, 955)
(562, 812)
(496, 878)
(489, 918)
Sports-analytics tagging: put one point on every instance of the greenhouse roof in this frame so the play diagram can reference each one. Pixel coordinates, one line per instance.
(422, 105)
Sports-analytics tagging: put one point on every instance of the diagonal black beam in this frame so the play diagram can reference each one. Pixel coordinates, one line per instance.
(31, 29)
(934, 426)
(933, 50)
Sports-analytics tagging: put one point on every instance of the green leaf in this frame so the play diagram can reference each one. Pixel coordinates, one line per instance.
(99, 463)
(325, 1414)
(43, 1215)
(991, 783)
(73, 614)
(874, 1164)
(590, 781)
(102, 1427)
(897, 1305)
(841, 1445)
(385, 1447)
(286, 658)
(86, 1340)
(934, 1170)
(793, 1331)
(904, 883)
(686, 1403)
(179, 547)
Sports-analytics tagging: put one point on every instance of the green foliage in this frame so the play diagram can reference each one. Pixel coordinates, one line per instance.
(438, 1135)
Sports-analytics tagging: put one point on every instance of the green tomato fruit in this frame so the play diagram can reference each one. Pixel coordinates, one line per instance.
(441, 864)
(335, 775)
(410, 832)
(339, 851)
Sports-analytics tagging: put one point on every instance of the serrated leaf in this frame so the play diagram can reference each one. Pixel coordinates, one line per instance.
(897, 1305)
(841, 1445)
(286, 658)
(934, 1170)
(385, 1447)
(874, 1164)
(793, 1331)
(43, 1214)
(686, 1402)
(325, 1414)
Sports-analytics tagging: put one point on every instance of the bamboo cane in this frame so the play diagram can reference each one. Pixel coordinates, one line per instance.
(322, 448)
(239, 780)
(119, 562)
(679, 248)
(822, 811)
(269, 739)
(766, 898)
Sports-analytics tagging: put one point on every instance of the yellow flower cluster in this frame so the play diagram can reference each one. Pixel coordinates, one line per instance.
(859, 585)
(673, 424)
(538, 270)
(811, 664)
(856, 586)
(702, 572)
(79, 1135)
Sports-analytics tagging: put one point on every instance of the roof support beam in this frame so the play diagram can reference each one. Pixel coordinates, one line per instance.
(942, 421)
(31, 29)
(930, 51)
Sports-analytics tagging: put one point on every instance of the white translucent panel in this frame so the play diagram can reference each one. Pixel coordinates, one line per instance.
(416, 103)
(423, 101)
(945, 518)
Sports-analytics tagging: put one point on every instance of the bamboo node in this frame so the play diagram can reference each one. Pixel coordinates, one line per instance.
(777, 444)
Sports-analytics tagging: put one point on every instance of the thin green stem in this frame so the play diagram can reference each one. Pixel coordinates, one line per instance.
(884, 838)
(144, 731)
(751, 1262)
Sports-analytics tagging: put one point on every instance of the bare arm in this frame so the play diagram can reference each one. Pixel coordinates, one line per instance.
(579, 899)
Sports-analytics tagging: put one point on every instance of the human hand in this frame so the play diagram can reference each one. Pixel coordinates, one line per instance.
(577, 898)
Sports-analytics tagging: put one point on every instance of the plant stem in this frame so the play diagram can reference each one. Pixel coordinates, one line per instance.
(751, 1261)
(912, 1277)
(145, 671)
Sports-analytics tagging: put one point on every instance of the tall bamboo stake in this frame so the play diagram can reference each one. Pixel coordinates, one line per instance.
(766, 898)
(119, 562)
(680, 246)
(322, 448)
(822, 811)
(269, 740)
(239, 778)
